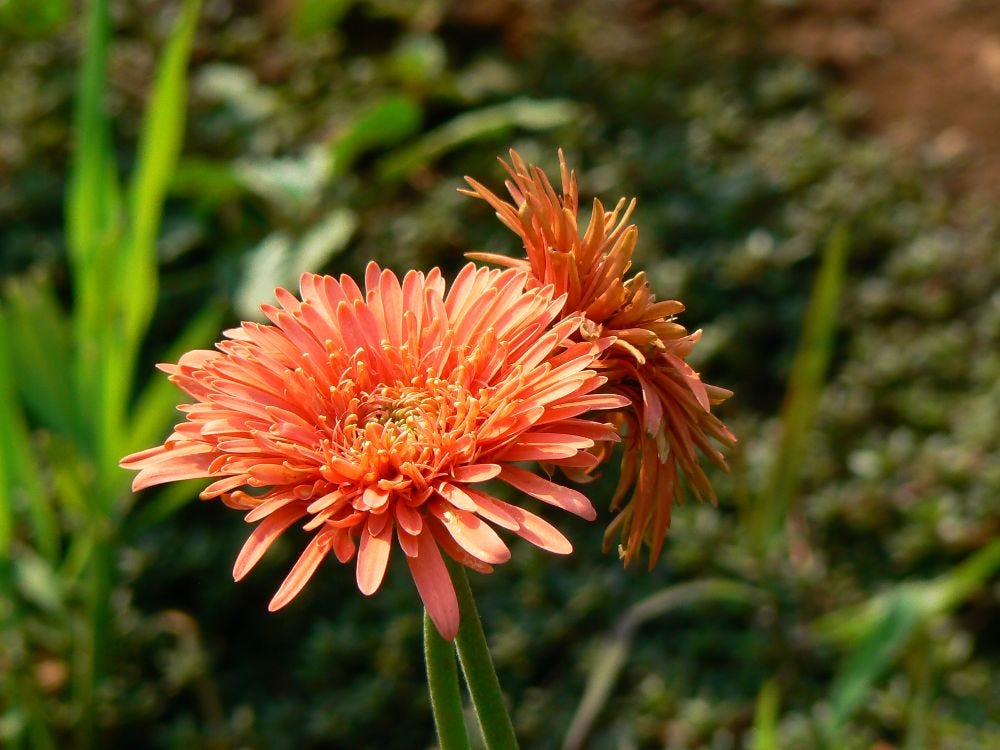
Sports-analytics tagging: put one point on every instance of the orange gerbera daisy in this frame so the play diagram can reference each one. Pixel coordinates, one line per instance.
(374, 414)
(670, 420)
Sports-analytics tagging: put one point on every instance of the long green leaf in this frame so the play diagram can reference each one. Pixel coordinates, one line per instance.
(852, 624)
(805, 386)
(385, 123)
(8, 415)
(765, 720)
(873, 656)
(167, 501)
(88, 206)
(881, 627)
(159, 148)
(93, 218)
(20, 475)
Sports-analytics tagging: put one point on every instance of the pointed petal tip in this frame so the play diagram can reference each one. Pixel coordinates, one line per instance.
(448, 629)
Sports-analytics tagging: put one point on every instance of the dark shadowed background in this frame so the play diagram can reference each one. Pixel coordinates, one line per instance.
(787, 156)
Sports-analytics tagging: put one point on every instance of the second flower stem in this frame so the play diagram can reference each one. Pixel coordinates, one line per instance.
(442, 682)
(477, 665)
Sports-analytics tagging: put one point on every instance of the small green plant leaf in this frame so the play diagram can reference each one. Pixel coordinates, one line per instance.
(279, 260)
(36, 18)
(313, 17)
(488, 122)
(38, 340)
(382, 124)
(38, 582)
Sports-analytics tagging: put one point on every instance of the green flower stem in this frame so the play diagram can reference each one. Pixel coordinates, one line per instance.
(442, 683)
(477, 665)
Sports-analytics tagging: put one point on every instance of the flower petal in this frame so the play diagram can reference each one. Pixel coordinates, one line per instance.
(373, 557)
(473, 534)
(434, 586)
(472, 473)
(301, 572)
(549, 492)
(169, 464)
(263, 537)
(535, 530)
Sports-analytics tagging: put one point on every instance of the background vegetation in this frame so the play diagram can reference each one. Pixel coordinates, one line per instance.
(166, 164)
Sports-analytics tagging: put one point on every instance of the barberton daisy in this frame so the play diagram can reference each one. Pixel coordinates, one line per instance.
(375, 416)
(669, 420)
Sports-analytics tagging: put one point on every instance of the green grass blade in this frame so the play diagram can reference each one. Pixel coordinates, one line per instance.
(8, 438)
(765, 720)
(947, 591)
(88, 205)
(879, 628)
(167, 501)
(20, 480)
(868, 662)
(805, 386)
(93, 226)
(159, 148)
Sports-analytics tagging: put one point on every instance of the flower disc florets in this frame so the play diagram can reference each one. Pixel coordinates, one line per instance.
(372, 415)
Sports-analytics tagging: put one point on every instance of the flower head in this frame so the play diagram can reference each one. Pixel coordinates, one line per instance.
(669, 421)
(375, 414)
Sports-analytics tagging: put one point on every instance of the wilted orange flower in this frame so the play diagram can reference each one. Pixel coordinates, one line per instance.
(670, 420)
(374, 414)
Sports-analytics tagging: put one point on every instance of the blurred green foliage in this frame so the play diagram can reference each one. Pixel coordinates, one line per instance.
(323, 133)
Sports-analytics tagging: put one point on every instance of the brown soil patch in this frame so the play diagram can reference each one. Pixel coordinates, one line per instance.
(929, 70)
